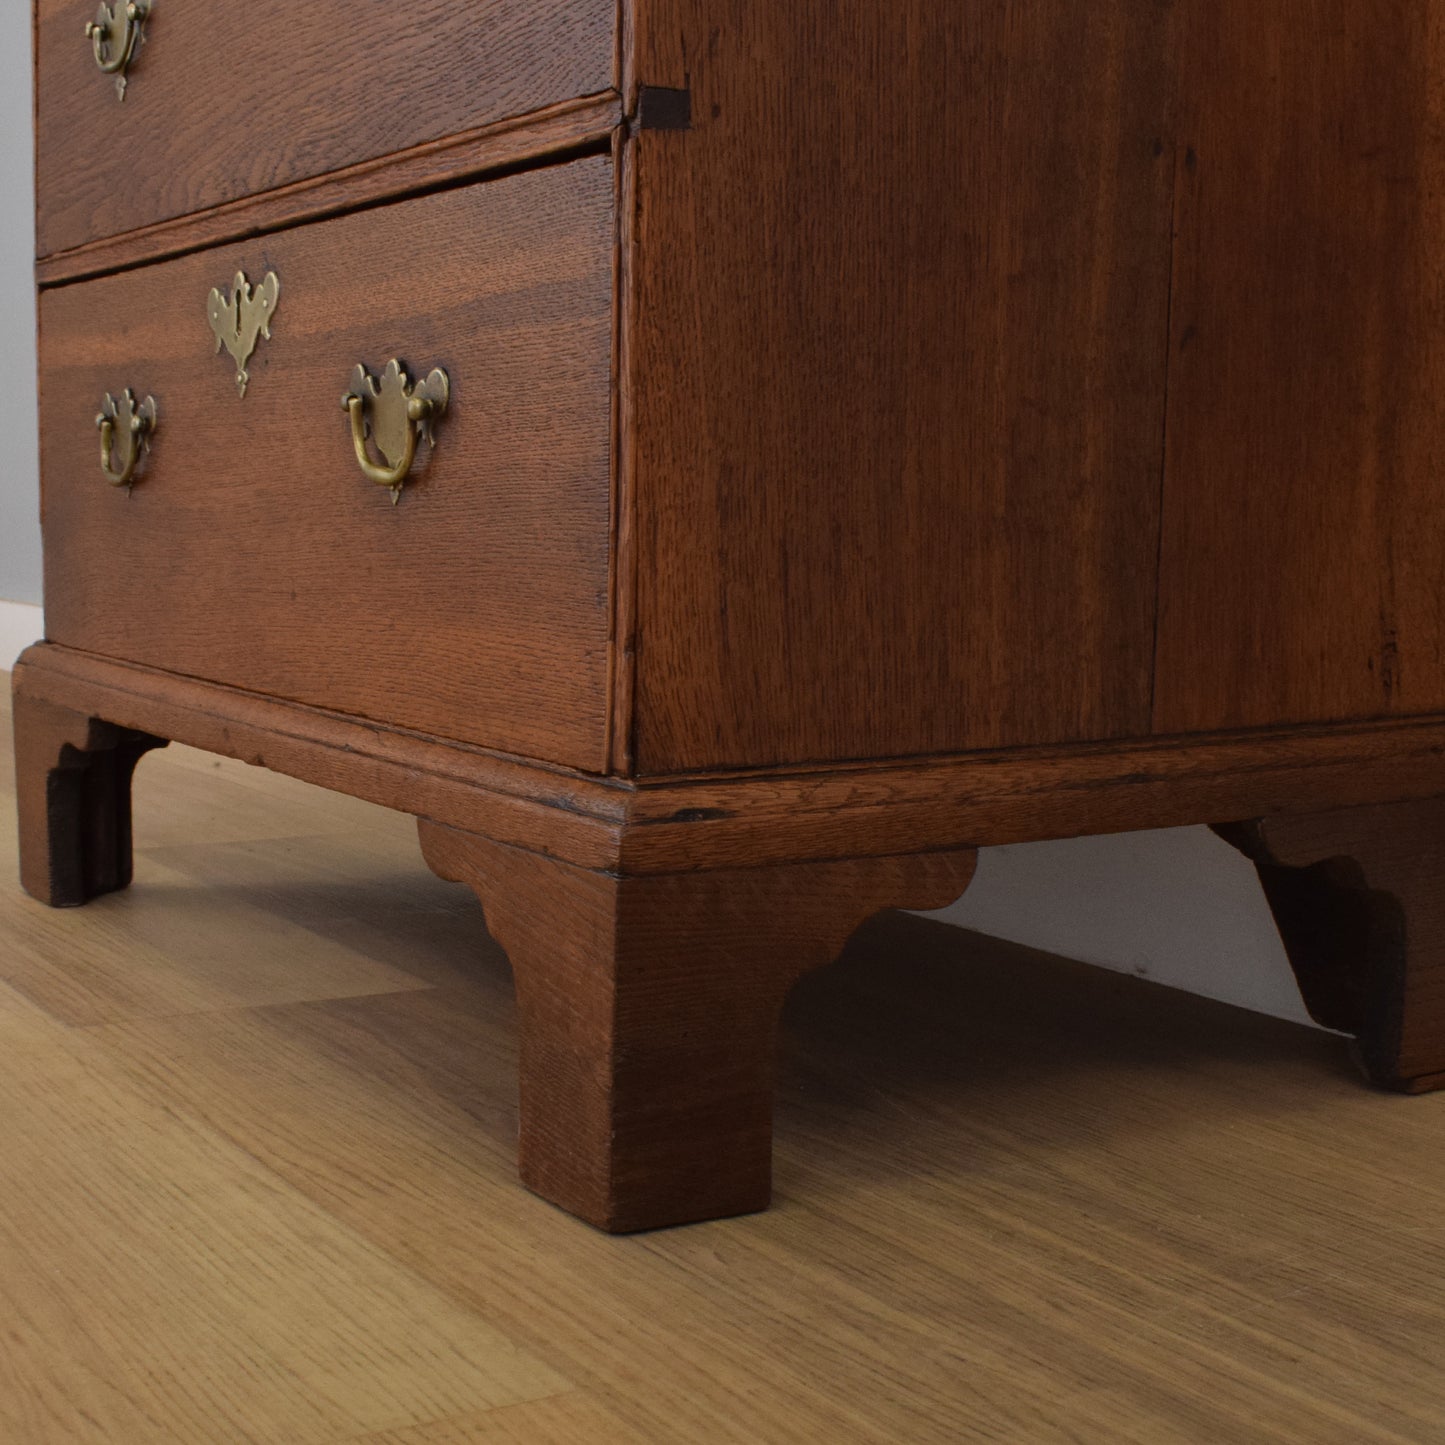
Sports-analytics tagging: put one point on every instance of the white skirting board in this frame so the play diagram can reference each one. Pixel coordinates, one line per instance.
(21, 623)
(1179, 907)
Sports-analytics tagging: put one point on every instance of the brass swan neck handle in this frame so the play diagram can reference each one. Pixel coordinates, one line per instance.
(115, 35)
(126, 427)
(400, 414)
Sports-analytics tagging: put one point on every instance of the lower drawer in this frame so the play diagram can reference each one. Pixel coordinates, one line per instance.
(251, 549)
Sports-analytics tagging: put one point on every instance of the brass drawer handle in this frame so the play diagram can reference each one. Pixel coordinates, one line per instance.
(400, 414)
(126, 427)
(115, 36)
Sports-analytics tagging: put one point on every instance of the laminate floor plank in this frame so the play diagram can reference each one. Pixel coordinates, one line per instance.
(428, 1095)
(23, 1025)
(574, 1418)
(161, 1285)
(234, 802)
(370, 890)
(257, 1182)
(187, 948)
(1071, 1242)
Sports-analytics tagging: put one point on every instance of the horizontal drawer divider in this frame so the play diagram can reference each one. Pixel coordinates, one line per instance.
(559, 132)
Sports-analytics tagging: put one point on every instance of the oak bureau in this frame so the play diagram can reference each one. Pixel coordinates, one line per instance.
(718, 463)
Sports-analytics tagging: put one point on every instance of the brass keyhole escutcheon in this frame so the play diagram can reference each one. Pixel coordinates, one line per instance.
(115, 35)
(396, 414)
(239, 320)
(126, 427)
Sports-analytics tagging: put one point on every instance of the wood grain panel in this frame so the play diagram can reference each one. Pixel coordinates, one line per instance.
(1304, 541)
(252, 550)
(899, 325)
(227, 100)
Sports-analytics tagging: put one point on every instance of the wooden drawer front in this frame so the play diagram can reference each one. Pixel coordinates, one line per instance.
(225, 100)
(252, 551)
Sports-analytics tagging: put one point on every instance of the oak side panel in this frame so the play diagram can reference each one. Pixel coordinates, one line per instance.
(253, 552)
(897, 372)
(225, 100)
(1304, 541)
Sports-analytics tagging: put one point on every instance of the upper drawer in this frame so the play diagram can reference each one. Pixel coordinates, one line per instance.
(224, 99)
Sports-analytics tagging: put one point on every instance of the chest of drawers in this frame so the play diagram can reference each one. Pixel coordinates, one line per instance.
(719, 464)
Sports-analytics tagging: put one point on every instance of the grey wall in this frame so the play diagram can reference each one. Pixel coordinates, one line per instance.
(19, 468)
(1178, 906)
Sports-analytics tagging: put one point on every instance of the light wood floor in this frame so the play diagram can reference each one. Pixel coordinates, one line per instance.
(256, 1184)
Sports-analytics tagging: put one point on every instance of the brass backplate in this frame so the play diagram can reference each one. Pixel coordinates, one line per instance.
(240, 319)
